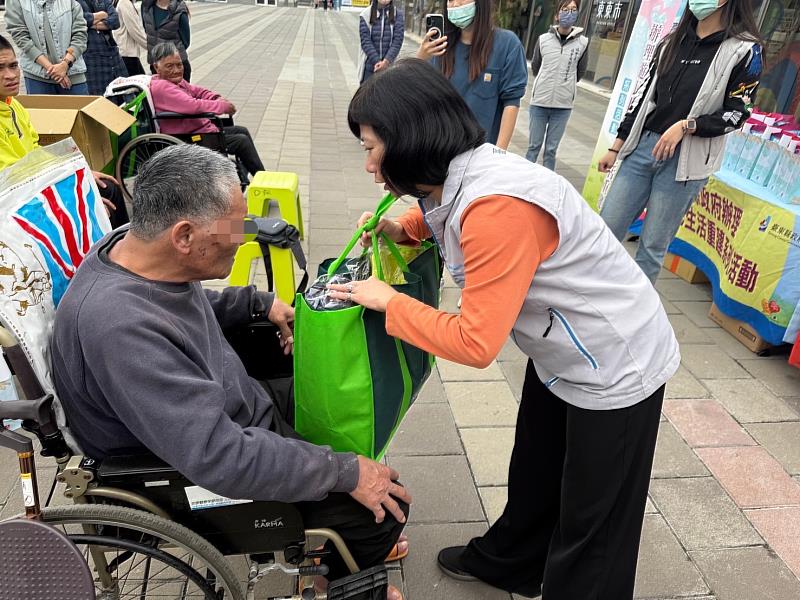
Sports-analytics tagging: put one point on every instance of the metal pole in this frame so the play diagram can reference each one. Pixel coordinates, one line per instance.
(531, 22)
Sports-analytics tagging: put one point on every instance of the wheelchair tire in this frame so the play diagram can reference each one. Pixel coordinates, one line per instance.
(187, 553)
(135, 154)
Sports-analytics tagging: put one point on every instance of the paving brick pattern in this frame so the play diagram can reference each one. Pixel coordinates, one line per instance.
(724, 510)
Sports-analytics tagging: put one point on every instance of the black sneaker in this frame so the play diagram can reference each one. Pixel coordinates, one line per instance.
(449, 560)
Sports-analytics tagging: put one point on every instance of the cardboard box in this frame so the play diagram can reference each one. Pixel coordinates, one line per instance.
(683, 269)
(86, 119)
(738, 329)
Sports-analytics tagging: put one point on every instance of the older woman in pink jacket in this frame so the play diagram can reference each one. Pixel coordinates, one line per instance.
(170, 92)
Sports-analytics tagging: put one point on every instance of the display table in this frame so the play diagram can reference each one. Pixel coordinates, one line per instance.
(749, 248)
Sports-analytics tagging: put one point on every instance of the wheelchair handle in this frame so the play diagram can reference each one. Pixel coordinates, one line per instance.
(313, 571)
(40, 411)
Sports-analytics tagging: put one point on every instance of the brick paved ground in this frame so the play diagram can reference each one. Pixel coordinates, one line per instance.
(723, 519)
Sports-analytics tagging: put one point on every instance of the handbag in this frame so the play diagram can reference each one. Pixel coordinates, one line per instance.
(353, 382)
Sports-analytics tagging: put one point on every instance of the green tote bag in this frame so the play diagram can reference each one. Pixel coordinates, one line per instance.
(353, 382)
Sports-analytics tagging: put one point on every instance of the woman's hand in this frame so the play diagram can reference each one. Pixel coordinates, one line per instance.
(380, 65)
(607, 161)
(393, 230)
(666, 144)
(58, 71)
(371, 293)
(430, 48)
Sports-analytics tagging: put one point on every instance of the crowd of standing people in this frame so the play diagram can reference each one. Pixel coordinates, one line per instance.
(78, 47)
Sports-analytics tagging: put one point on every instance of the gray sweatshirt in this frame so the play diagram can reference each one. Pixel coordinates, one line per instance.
(140, 363)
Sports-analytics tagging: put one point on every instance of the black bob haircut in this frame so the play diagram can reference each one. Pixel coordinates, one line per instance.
(421, 119)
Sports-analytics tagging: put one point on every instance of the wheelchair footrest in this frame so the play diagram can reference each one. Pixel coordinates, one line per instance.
(369, 584)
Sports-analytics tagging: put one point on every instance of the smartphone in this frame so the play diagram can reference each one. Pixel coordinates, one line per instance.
(435, 22)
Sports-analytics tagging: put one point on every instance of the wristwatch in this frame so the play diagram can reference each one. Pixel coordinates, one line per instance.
(689, 126)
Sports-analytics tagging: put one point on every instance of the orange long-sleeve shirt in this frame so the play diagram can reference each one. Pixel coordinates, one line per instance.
(503, 240)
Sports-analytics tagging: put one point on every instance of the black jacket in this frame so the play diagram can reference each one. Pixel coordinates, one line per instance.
(677, 89)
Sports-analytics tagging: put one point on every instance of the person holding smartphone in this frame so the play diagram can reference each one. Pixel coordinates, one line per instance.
(701, 84)
(486, 65)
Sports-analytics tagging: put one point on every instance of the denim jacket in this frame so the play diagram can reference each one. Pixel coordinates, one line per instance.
(25, 23)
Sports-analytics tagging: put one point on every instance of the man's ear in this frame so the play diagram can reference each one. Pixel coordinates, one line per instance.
(183, 236)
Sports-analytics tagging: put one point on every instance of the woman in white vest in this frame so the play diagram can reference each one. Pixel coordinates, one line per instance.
(536, 263)
(559, 62)
(700, 87)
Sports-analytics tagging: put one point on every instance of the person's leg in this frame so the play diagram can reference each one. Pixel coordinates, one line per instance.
(113, 193)
(187, 70)
(239, 143)
(34, 86)
(368, 542)
(630, 190)
(555, 131)
(512, 554)
(669, 201)
(595, 545)
(133, 65)
(536, 129)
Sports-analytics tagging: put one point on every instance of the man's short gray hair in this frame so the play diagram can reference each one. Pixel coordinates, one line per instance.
(181, 182)
(162, 51)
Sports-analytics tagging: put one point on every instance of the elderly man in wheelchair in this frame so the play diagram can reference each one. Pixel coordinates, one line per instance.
(185, 110)
(149, 383)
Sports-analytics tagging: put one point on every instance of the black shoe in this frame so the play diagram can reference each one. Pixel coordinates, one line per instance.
(449, 560)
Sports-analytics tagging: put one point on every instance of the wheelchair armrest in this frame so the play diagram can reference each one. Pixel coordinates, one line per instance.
(175, 115)
(134, 465)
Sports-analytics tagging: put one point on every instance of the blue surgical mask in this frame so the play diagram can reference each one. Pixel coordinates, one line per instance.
(462, 16)
(567, 18)
(703, 8)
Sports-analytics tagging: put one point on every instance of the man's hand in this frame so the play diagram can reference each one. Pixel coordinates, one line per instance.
(376, 488)
(282, 315)
(669, 140)
(101, 178)
(380, 65)
(109, 206)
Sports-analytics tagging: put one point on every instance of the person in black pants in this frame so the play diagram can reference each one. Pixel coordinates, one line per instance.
(534, 263)
(172, 93)
(540, 532)
(113, 199)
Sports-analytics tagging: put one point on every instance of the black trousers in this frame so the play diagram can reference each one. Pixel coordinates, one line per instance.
(240, 144)
(577, 487)
(368, 542)
(112, 192)
(133, 65)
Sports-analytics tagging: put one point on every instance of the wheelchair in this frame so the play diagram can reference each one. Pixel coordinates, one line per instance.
(138, 526)
(144, 529)
(143, 139)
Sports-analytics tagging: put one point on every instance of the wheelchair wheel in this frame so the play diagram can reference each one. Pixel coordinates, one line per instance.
(135, 154)
(135, 554)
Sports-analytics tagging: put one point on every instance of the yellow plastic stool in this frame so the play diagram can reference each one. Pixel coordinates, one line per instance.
(276, 185)
(282, 269)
